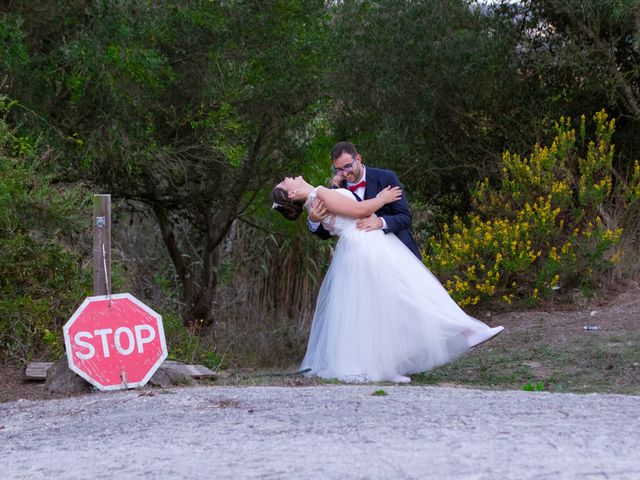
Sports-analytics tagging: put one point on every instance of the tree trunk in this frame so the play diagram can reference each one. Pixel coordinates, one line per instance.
(199, 307)
(198, 296)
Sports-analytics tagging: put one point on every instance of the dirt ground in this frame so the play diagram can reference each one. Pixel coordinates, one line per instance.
(13, 386)
(544, 349)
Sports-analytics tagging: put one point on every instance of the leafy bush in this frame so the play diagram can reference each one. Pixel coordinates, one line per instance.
(185, 345)
(543, 227)
(41, 278)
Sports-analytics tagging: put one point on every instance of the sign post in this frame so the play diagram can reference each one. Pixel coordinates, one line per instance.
(102, 244)
(112, 341)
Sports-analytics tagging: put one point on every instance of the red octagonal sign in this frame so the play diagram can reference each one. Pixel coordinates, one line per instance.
(115, 341)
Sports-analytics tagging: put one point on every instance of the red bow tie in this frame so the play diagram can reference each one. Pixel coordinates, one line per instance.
(355, 187)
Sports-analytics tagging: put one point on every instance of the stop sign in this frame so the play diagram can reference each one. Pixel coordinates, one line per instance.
(115, 341)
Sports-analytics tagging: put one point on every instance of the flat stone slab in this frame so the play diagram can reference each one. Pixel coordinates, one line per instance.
(323, 432)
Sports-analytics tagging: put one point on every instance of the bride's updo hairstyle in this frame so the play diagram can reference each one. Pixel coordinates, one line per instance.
(282, 203)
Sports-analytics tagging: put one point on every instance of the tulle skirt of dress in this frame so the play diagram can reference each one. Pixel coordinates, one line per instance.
(381, 313)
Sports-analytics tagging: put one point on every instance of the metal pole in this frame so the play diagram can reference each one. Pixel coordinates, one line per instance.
(102, 244)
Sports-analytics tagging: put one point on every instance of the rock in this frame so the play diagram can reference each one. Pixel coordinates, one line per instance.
(61, 380)
(168, 376)
(179, 378)
(160, 379)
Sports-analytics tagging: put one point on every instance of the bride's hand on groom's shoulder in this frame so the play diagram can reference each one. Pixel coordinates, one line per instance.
(390, 194)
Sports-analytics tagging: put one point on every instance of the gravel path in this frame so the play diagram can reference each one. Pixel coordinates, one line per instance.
(327, 432)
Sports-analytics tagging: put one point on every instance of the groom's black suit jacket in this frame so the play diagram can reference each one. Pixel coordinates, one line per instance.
(396, 214)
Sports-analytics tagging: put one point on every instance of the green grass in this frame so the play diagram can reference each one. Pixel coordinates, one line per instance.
(531, 356)
(534, 387)
(602, 363)
(518, 361)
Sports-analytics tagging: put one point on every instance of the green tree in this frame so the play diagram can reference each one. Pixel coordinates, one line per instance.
(429, 88)
(188, 108)
(582, 56)
(436, 89)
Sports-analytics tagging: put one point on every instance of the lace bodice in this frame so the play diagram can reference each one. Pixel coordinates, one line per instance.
(334, 224)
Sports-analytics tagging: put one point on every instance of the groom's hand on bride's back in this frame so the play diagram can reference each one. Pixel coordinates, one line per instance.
(369, 224)
(318, 211)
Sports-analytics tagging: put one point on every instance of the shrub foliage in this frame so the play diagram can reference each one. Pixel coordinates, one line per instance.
(41, 278)
(544, 227)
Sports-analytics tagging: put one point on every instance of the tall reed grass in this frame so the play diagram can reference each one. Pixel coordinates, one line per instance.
(267, 287)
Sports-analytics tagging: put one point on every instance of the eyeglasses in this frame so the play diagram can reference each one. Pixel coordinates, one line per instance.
(346, 168)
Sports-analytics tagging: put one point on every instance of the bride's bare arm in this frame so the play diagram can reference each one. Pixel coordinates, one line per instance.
(341, 205)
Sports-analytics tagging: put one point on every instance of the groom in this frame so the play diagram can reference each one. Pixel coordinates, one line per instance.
(366, 182)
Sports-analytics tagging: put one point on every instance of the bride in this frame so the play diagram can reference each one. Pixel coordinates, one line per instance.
(381, 315)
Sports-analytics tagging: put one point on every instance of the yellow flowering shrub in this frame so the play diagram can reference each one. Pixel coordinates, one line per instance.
(632, 193)
(541, 227)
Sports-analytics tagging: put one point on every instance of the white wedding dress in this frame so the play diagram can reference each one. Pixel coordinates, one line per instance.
(381, 314)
